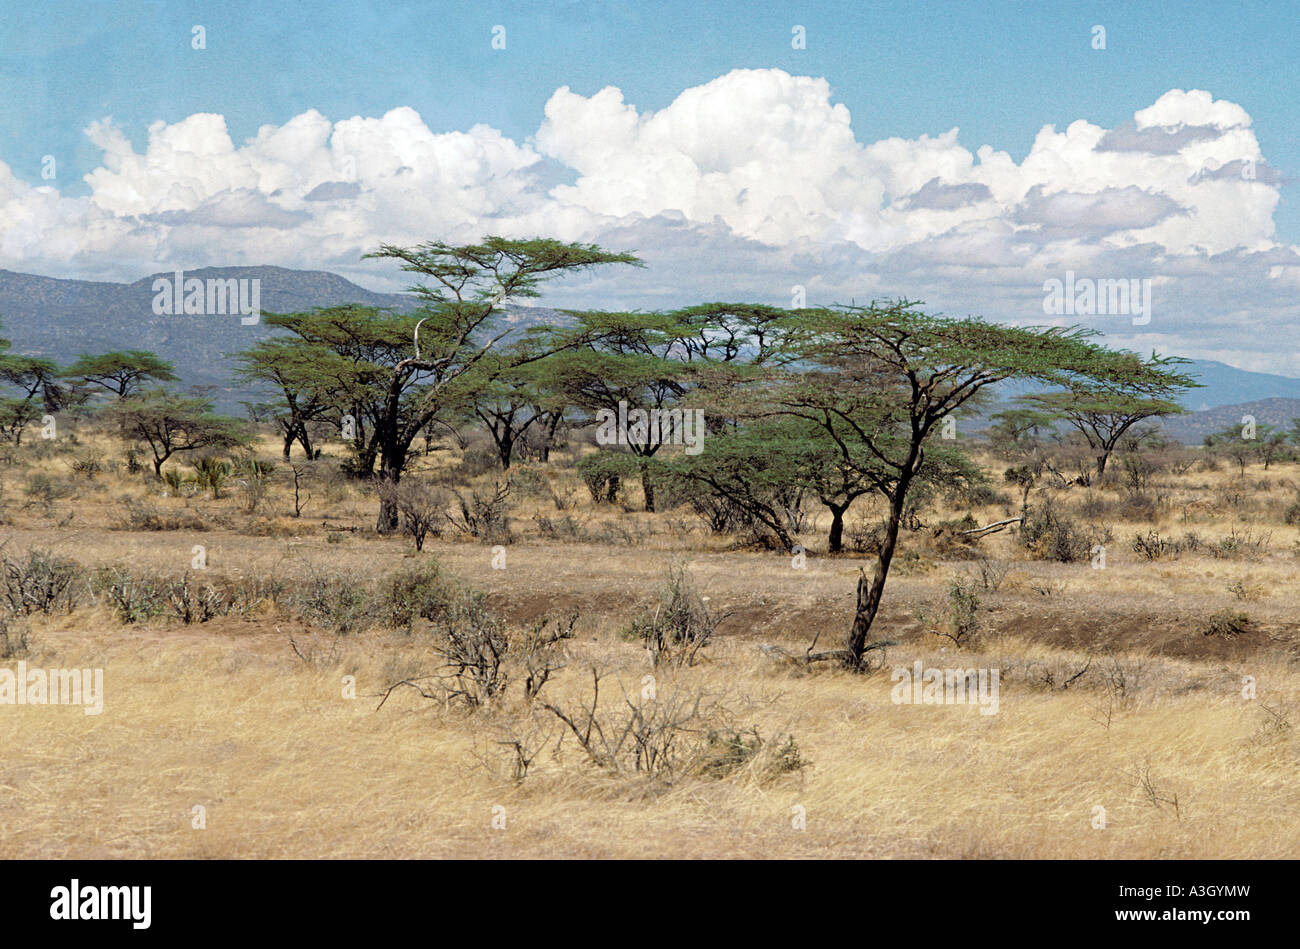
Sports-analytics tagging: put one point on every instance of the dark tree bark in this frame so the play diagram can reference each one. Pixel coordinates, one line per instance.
(835, 544)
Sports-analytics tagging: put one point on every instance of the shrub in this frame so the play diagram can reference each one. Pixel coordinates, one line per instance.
(864, 536)
(680, 624)
(254, 481)
(562, 527)
(174, 480)
(472, 644)
(41, 582)
(43, 489)
(719, 512)
(728, 750)
(194, 603)
(1139, 506)
(992, 573)
(211, 474)
(332, 601)
(485, 517)
(1051, 535)
(15, 636)
(680, 731)
(528, 483)
(1240, 544)
(603, 473)
(1227, 623)
(539, 652)
(420, 591)
(143, 516)
(421, 508)
(134, 599)
(961, 610)
(480, 457)
(1152, 546)
(88, 466)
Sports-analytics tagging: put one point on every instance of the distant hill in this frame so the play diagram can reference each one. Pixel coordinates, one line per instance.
(1221, 385)
(1194, 426)
(59, 319)
(1225, 385)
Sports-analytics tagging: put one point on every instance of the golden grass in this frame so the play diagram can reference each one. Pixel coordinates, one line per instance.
(224, 716)
(287, 767)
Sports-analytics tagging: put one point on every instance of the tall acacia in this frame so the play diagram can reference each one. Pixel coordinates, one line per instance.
(462, 326)
(879, 379)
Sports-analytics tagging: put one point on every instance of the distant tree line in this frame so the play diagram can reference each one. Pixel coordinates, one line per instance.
(825, 404)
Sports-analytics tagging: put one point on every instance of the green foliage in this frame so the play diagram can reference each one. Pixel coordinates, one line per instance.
(420, 591)
(603, 472)
(211, 474)
(121, 373)
(170, 424)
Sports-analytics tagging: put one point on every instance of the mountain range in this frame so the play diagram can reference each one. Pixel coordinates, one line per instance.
(60, 319)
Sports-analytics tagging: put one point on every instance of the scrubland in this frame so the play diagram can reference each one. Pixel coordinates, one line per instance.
(301, 686)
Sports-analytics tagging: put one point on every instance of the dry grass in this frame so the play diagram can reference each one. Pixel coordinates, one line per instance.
(225, 716)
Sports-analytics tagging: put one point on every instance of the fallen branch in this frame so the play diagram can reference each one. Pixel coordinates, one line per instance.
(781, 654)
(992, 528)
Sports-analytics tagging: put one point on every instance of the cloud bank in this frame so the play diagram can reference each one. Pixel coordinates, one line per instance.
(743, 187)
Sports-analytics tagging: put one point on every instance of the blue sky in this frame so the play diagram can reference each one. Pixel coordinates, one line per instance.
(998, 72)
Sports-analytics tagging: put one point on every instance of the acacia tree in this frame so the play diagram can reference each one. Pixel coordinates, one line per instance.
(516, 400)
(36, 383)
(692, 358)
(462, 308)
(170, 423)
(879, 379)
(1272, 444)
(120, 373)
(627, 363)
(329, 365)
(753, 469)
(1232, 444)
(1103, 412)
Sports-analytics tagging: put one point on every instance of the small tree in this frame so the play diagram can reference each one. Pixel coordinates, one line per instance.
(1105, 412)
(121, 373)
(1232, 443)
(35, 384)
(170, 423)
(421, 506)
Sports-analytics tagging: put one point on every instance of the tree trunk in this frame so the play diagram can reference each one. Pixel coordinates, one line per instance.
(388, 520)
(869, 591)
(392, 461)
(836, 543)
(551, 428)
(647, 485)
